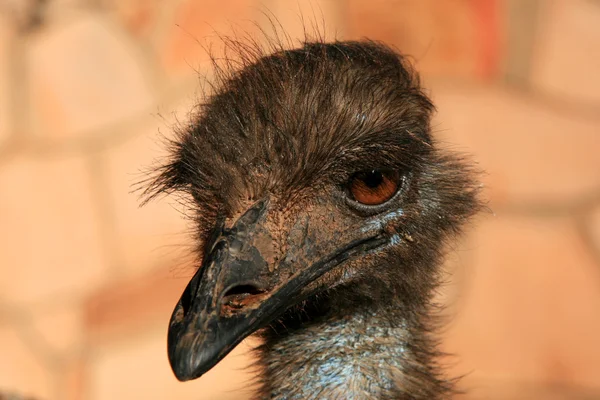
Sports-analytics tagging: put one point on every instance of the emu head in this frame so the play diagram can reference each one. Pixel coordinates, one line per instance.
(313, 173)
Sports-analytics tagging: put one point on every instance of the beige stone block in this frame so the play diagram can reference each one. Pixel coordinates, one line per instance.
(72, 379)
(196, 27)
(84, 76)
(60, 327)
(594, 224)
(295, 19)
(518, 390)
(23, 371)
(50, 230)
(136, 367)
(529, 151)
(456, 272)
(531, 307)
(128, 307)
(7, 37)
(567, 54)
(158, 234)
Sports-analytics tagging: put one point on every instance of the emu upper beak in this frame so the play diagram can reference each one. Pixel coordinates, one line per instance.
(240, 288)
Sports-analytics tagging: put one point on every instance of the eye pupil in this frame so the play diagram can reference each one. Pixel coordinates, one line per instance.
(373, 178)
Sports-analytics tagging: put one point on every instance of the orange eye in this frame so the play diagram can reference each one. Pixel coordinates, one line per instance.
(374, 187)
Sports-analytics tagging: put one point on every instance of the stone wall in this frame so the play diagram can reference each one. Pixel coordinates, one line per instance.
(89, 89)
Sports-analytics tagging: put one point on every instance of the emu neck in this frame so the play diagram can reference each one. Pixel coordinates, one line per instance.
(363, 354)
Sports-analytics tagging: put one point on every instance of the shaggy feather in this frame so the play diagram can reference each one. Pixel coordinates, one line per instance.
(296, 124)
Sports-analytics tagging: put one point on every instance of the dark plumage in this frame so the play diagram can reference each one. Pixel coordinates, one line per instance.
(341, 291)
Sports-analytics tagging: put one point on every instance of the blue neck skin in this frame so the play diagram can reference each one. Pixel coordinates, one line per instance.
(354, 357)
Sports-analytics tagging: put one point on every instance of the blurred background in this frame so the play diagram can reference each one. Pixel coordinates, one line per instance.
(88, 279)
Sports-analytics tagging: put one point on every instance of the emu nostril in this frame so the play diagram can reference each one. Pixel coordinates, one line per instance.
(239, 297)
(243, 289)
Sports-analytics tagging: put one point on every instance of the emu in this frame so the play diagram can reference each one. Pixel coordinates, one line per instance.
(323, 206)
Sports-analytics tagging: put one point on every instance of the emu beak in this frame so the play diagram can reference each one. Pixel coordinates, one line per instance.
(240, 288)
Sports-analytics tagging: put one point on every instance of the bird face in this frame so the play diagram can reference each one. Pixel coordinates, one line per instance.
(310, 170)
(269, 259)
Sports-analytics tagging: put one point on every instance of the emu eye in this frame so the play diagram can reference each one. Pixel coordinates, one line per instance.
(374, 187)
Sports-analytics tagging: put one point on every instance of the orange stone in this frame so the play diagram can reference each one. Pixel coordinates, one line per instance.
(158, 234)
(445, 38)
(531, 305)
(139, 17)
(594, 226)
(50, 229)
(136, 367)
(566, 59)
(7, 41)
(532, 153)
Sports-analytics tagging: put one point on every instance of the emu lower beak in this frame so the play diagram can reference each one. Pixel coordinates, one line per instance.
(237, 291)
